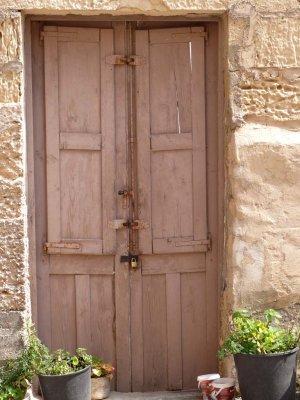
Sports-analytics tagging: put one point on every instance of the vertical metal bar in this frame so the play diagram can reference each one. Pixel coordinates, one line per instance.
(133, 234)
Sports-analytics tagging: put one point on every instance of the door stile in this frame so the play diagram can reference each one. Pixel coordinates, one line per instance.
(199, 140)
(108, 141)
(215, 184)
(43, 292)
(52, 138)
(144, 198)
(122, 284)
(143, 142)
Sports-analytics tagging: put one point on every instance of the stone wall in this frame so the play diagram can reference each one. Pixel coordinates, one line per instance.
(13, 257)
(262, 149)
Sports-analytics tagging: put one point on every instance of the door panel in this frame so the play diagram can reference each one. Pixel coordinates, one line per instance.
(172, 164)
(79, 139)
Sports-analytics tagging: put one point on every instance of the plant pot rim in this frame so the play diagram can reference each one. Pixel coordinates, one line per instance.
(69, 374)
(283, 353)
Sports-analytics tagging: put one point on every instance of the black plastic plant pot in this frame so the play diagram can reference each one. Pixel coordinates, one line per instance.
(73, 386)
(267, 376)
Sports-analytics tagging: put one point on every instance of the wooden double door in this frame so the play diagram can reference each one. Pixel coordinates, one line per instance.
(128, 267)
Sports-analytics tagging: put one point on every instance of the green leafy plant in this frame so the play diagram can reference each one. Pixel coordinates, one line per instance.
(16, 375)
(250, 335)
(62, 362)
(101, 370)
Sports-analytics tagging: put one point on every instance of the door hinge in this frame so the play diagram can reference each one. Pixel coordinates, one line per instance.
(117, 59)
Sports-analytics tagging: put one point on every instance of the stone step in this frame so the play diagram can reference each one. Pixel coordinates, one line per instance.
(194, 395)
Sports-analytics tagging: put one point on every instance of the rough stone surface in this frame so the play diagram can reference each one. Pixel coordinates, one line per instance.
(10, 332)
(264, 176)
(13, 253)
(13, 275)
(261, 41)
(10, 53)
(282, 45)
(152, 6)
(270, 94)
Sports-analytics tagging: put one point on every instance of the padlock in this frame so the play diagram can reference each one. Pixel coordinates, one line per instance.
(133, 262)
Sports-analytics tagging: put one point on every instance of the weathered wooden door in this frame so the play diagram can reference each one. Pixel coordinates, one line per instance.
(126, 176)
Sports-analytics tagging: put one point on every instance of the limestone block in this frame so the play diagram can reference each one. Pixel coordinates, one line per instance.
(10, 54)
(11, 163)
(10, 41)
(265, 6)
(263, 216)
(13, 275)
(11, 199)
(11, 341)
(152, 6)
(12, 228)
(277, 42)
(10, 87)
(269, 93)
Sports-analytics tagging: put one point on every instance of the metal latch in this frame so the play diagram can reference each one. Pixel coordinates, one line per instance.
(60, 245)
(117, 59)
(125, 197)
(136, 224)
(123, 223)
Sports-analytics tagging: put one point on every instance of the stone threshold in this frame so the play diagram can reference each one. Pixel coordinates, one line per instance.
(194, 395)
(188, 395)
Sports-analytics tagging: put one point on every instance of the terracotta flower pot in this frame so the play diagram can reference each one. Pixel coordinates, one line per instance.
(100, 388)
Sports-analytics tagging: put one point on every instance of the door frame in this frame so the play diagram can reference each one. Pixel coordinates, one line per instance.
(215, 54)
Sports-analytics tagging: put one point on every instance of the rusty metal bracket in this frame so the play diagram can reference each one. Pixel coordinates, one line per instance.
(60, 245)
(136, 225)
(117, 59)
(117, 224)
(123, 223)
(125, 259)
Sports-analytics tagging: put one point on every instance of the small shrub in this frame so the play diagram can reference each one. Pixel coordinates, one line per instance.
(101, 370)
(62, 362)
(16, 375)
(250, 335)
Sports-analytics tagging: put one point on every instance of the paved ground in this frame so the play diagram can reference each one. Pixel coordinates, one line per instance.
(151, 396)
(146, 396)
(155, 396)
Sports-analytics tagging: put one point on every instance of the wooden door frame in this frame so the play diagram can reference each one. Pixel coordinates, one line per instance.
(215, 143)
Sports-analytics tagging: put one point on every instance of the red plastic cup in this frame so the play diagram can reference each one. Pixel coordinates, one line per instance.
(222, 389)
(204, 384)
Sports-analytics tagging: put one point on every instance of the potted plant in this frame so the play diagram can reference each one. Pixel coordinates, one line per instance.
(64, 376)
(264, 354)
(16, 375)
(101, 374)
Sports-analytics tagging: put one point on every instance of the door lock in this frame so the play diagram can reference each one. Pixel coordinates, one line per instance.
(132, 260)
